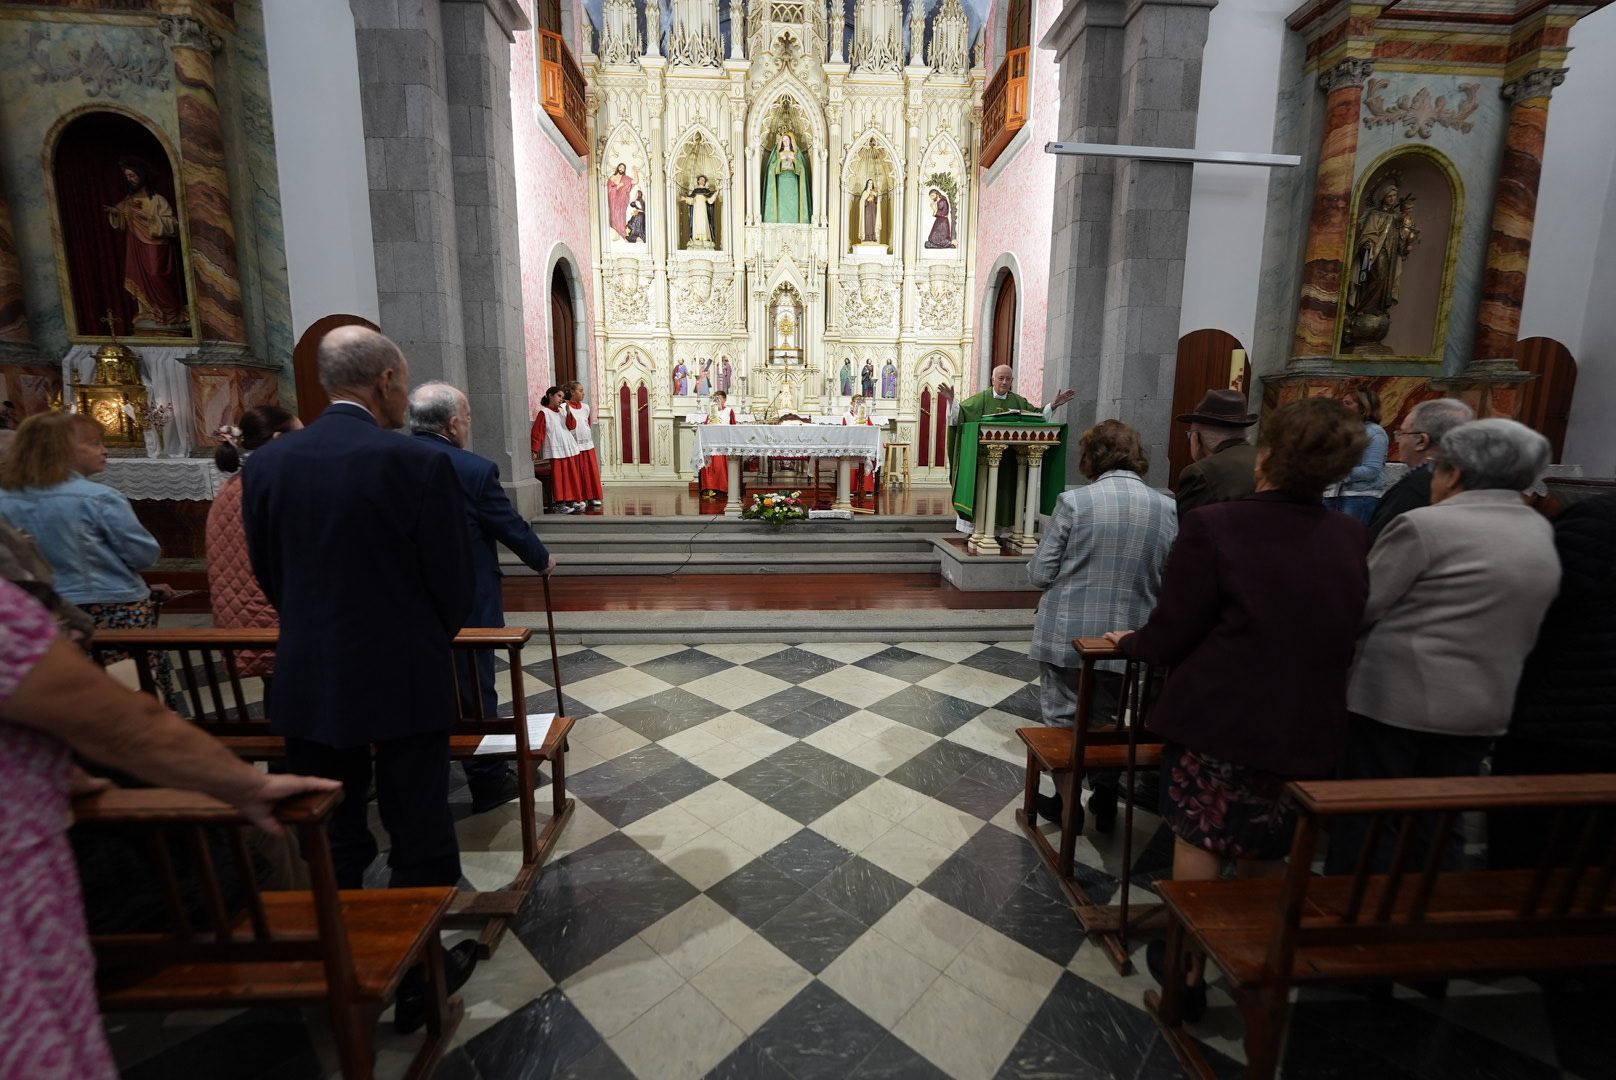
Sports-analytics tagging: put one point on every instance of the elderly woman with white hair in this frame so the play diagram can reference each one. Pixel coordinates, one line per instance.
(1456, 592)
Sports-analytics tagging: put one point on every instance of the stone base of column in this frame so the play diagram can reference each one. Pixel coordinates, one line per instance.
(527, 496)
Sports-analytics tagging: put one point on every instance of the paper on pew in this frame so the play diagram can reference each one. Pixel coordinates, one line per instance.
(538, 729)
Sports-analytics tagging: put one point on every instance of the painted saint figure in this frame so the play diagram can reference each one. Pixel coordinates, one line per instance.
(867, 379)
(889, 380)
(636, 218)
(869, 201)
(942, 225)
(619, 187)
(151, 253)
(786, 197)
(703, 202)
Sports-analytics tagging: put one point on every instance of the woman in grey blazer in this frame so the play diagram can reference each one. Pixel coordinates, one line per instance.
(1456, 593)
(1099, 563)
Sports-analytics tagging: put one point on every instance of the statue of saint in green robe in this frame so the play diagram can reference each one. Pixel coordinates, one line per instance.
(786, 196)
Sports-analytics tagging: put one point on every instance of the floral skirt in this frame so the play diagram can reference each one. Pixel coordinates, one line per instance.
(1227, 809)
(137, 615)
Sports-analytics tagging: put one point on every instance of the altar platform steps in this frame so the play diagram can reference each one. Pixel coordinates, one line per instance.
(790, 627)
(596, 546)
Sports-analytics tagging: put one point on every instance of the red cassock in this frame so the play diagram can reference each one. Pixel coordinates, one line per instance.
(567, 482)
(588, 460)
(715, 474)
(863, 480)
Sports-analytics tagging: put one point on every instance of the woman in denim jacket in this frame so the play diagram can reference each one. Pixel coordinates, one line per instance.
(1360, 492)
(87, 531)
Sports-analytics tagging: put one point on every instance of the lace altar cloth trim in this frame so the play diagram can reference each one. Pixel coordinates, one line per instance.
(191, 479)
(786, 440)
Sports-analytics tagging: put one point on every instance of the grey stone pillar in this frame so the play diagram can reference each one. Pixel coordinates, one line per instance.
(402, 90)
(1132, 73)
(477, 37)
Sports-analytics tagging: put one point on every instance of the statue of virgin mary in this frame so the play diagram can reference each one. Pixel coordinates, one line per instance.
(786, 195)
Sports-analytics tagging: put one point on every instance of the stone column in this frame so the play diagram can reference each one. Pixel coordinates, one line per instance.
(1509, 245)
(477, 39)
(979, 520)
(988, 512)
(1330, 219)
(1035, 487)
(27, 377)
(216, 305)
(844, 484)
(1020, 502)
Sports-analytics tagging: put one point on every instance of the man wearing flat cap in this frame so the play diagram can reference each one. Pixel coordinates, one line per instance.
(1222, 461)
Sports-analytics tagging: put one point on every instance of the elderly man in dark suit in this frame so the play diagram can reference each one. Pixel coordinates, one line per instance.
(1223, 464)
(440, 416)
(1417, 440)
(357, 536)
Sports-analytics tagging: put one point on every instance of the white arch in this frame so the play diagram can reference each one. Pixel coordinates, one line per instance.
(562, 254)
(990, 297)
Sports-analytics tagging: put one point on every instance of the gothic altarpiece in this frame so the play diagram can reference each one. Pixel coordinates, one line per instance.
(782, 213)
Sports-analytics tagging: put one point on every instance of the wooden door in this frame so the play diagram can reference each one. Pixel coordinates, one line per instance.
(1546, 401)
(1004, 322)
(1203, 364)
(563, 330)
(311, 396)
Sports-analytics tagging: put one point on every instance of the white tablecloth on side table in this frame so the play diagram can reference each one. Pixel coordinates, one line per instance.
(787, 440)
(190, 479)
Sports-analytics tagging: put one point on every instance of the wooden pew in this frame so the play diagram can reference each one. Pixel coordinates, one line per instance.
(1127, 747)
(1415, 922)
(207, 669)
(347, 949)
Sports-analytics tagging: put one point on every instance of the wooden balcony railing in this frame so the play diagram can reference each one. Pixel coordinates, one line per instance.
(1004, 105)
(561, 87)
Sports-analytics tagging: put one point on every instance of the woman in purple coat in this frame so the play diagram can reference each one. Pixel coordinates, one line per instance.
(1256, 619)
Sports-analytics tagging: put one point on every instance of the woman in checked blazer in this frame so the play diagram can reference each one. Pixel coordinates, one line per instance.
(1100, 561)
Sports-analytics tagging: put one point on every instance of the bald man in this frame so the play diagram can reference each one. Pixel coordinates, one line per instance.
(358, 538)
(440, 416)
(998, 398)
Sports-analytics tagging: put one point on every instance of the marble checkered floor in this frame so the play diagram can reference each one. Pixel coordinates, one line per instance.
(801, 862)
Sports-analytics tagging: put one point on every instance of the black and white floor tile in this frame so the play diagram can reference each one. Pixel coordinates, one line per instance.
(802, 862)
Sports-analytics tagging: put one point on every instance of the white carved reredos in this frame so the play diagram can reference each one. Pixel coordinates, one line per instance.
(701, 106)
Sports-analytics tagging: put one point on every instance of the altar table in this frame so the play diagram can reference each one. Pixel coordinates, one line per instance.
(847, 444)
(185, 479)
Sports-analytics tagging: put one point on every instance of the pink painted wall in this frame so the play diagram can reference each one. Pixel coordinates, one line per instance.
(1016, 215)
(553, 208)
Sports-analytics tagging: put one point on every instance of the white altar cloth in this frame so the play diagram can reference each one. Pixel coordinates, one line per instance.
(190, 479)
(787, 440)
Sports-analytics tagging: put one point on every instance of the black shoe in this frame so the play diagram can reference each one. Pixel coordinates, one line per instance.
(493, 791)
(1051, 806)
(409, 1010)
(1194, 993)
(1103, 805)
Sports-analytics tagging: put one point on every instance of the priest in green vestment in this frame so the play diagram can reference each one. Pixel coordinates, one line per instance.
(999, 399)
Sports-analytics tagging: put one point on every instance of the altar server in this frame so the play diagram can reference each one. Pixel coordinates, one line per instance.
(714, 478)
(863, 479)
(577, 414)
(554, 447)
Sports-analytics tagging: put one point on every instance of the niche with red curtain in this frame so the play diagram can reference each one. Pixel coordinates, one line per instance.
(136, 271)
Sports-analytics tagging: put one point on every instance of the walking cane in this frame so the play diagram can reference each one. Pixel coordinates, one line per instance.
(555, 657)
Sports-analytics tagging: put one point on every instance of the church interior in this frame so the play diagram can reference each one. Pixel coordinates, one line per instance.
(790, 328)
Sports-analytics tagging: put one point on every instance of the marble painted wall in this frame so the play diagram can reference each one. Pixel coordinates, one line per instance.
(553, 209)
(1015, 217)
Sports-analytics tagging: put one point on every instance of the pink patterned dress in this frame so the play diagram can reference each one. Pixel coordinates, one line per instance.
(50, 1025)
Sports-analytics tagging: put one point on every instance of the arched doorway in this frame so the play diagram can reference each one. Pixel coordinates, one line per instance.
(311, 396)
(1203, 364)
(563, 328)
(1546, 401)
(1004, 322)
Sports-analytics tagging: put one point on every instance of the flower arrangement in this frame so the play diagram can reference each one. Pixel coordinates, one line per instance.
(157, 418)
(775, 508)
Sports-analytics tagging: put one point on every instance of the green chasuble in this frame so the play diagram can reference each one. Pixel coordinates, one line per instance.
(962, 458)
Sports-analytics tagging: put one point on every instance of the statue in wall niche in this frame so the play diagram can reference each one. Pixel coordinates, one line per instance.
(889, 380)
(681, 380)
(942, 223)
(847, 376)
(635, 233)
(786, 197)
(619, 189)
(152, 268)
(704, 380)
(869, 205)
(1386, 234)
(703, 203)
(867, 379)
